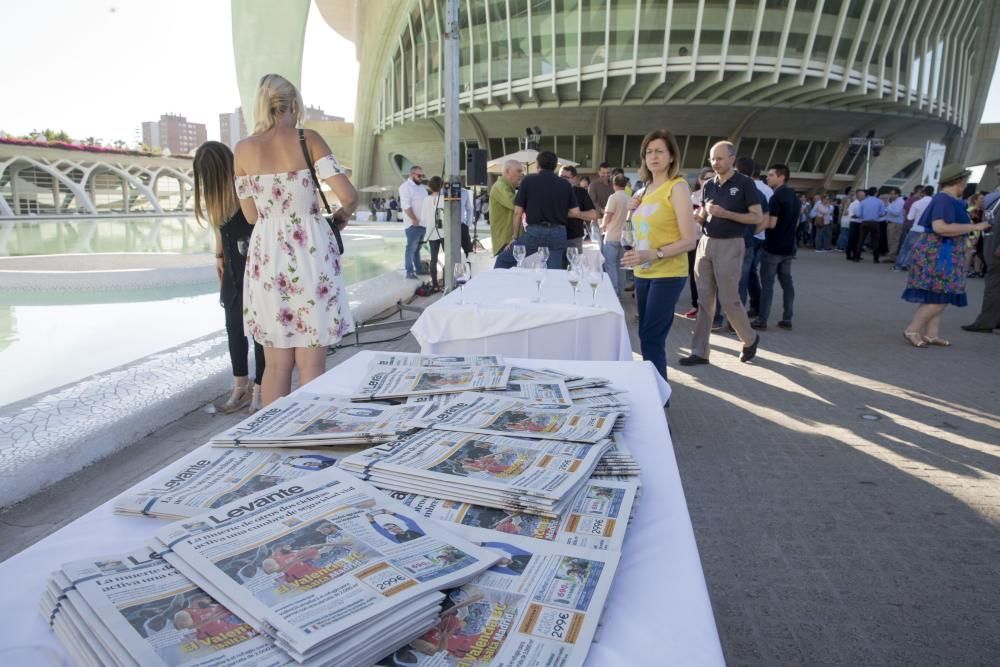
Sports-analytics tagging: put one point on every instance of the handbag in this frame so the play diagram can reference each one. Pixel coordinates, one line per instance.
(333, 222)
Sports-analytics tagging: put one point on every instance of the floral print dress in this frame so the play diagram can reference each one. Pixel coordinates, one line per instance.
(293, 293)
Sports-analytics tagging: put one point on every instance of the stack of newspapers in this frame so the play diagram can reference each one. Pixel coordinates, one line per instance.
(516, 474)
(385, 381)
(331, 570)
(308, 420)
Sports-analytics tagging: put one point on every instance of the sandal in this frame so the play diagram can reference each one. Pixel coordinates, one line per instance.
(915, 339)
(940, 342)
(238, 399)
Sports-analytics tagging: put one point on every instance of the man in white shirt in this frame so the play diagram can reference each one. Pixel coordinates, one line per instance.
(468, 219)
(615, 212)
(411, 198)
(851, 216)
(894, 223)
(916, 212)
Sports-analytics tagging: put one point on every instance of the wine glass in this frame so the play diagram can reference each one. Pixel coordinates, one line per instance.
(540, 278)
(574, 279)
(519, 253)
(628, 239)
(462, 272)
(594, 278)
(572, 253)
(543, 253)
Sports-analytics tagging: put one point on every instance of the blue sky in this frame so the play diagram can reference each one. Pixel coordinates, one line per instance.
(101, 67)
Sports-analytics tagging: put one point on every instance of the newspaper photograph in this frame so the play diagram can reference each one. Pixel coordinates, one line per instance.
(303, 418)
(539, 605)
(478, 413)
(597, 519)
(314, 558)
(398, 382)
(404, 359)
(509, 466)
(210, 477)
(547, 392)
(161, 618)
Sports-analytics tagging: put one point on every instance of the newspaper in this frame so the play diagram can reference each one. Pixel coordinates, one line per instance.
(545, 392)
(496, 471)
(597, 518)
(478, 413)
(399, 382)
(321, 561)
(403, 359)
(210, 477)
(539, 606)
(138, 609)
(305, 419)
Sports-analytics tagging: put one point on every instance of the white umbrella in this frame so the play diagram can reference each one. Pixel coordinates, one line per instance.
(526, 156)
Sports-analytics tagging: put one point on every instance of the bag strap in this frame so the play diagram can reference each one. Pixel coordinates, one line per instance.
(312, 170)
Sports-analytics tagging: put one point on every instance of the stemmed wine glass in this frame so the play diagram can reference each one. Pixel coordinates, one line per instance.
(594, 278)
(628, 238)
(462, 273)
(519, 253)
(574, 275)
(540, 278)
(543, 254)
(572, 253)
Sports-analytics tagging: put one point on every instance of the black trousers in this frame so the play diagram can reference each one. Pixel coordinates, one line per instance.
(869, 228)
(436, 245)
(466, 240)
(239, 346)
(694, 287)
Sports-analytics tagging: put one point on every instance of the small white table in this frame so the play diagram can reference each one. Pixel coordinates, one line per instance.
(501, 315)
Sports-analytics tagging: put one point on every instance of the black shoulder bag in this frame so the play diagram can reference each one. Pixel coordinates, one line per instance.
(335, 224)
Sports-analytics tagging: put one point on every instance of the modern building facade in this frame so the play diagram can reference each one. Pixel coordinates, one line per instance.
(232, 127)
(787, 80)
(173, 132)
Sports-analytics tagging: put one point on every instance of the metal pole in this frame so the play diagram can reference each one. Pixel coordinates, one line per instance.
(453, 207)
(868, 159)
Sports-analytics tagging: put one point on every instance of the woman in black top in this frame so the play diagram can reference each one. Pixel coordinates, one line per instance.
(215, 199)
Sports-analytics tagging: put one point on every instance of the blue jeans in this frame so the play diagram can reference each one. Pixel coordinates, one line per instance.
(823, 237)
(780, 266)
(613, 253)
(845, 234)
(656, 299)
(750, 277)
(536, 236)
(414, 237)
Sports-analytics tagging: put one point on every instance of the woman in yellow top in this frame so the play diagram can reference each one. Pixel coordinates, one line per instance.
(664, 230)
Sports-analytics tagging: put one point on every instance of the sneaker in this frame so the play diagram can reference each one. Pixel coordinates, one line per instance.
(716, 326)
(692, 314)
(412, 276)
(693, 360)
(749, 353)
(785, 324)
(758, 323)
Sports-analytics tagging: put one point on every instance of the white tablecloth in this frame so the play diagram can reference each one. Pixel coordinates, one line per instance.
(501, 316)
(658, 612)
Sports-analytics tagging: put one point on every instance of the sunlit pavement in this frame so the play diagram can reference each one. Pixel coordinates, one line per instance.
(845, 487)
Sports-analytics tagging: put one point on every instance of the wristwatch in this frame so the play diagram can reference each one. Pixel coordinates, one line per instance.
(659, 253)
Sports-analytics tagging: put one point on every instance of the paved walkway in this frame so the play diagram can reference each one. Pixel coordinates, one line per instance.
(844, 488)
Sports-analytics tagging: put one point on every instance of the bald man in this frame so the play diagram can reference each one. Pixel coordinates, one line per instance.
(729, 205)
(502, 205)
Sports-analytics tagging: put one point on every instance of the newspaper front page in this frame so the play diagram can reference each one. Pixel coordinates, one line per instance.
(540, 605)
(478, 413)
(210, 477)
(547, 392)
(404, 359)
(597, 518)
(314, 558)
(160, 617)
(302, 419)
(399, 382)
(486, 465)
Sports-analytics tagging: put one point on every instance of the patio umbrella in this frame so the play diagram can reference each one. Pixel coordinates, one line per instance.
(526, 156)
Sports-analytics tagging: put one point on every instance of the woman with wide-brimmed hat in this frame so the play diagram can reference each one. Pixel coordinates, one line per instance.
(937, 272)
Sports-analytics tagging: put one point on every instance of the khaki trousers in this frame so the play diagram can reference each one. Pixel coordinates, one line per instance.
(717, 268)
(895, 234)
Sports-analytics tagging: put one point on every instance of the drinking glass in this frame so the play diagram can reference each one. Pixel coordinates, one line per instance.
(543, 253)
(628, 238)
(571, 254)
(574, 279)
(519, 253)
(462, 272)
(594, 279)
(540, 278)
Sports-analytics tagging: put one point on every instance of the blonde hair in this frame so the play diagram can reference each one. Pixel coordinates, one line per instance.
(667, 137)
(214, 185)
(276, 96)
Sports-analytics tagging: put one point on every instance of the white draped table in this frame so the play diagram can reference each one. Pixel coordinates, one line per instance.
(658, 612)
(501, 316)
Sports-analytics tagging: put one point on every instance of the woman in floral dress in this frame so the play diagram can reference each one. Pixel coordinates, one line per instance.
(294, 301)
(937, 270)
